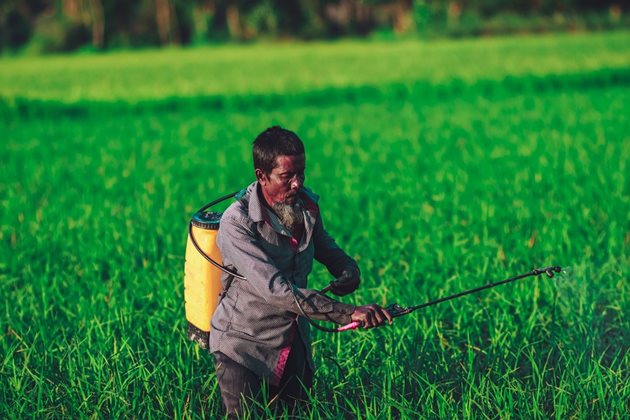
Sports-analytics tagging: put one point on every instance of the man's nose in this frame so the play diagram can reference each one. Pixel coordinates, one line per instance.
(296, 183)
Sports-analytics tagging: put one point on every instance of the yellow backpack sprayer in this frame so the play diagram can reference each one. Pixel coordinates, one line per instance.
(202, 272)
(202, 278)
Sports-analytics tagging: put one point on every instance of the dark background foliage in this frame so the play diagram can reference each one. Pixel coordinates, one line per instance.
(40, 26)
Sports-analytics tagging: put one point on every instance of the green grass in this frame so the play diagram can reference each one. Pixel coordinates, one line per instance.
(483, 172)
(300, 68)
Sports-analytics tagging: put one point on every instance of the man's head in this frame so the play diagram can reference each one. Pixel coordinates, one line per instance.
(279, 164)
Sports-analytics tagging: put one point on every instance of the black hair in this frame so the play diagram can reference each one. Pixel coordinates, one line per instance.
(273, 142)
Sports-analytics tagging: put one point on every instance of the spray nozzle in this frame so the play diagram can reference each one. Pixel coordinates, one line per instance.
(549, 271)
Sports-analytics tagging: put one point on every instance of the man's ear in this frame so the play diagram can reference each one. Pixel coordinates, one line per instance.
(260, 176)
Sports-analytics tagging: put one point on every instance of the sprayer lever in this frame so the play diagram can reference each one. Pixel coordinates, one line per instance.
(396, 310)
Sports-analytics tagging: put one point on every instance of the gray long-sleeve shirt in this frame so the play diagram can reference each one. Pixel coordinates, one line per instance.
(255, 321)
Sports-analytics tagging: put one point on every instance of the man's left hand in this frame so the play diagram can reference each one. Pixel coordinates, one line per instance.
(347, 283)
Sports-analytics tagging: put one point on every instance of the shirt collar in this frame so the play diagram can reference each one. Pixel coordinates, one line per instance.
(256, 207)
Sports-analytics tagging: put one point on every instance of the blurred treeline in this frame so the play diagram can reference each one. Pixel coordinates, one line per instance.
(38, 26)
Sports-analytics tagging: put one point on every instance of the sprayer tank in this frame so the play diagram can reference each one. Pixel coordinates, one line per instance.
(202, 280)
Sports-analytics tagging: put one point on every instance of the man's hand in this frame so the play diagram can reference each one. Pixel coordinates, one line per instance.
(371, 315)
(348, 282)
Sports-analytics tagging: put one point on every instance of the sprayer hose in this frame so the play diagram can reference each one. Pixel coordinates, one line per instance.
(235, 274)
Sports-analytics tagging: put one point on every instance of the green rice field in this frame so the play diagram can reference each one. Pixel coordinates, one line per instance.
(441, 167)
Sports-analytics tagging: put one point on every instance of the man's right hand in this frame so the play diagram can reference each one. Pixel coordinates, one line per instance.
(371, 316)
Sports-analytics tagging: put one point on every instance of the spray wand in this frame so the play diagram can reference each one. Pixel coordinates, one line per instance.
(396, 310)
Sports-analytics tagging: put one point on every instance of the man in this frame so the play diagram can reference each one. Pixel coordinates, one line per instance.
(270, 235)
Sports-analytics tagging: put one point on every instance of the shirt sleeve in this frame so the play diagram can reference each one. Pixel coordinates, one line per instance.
(329, 253)
(241, 245)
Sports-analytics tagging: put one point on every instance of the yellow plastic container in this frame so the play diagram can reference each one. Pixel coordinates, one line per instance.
(202, 280)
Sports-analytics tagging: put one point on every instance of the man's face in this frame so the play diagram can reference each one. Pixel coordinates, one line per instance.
(284, 181)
